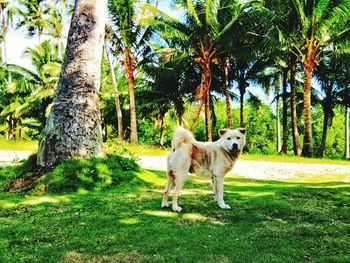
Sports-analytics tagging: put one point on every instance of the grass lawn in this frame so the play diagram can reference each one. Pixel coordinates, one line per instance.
(18, 145)
(269, 222)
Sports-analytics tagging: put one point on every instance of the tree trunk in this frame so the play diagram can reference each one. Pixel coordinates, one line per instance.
(206, 75)
(4, 35)
(278, 123)
(285, 112)
(73, 127)
(241, 107)
(293, 106)
(131, 82)
(161, 139)
(307, 147)
(11, 133)
(227, 94)
(116, 97)
(347, 135)
(326, 118)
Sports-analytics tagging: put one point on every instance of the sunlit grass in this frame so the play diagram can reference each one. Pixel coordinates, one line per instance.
(270, 221)
(18, 145)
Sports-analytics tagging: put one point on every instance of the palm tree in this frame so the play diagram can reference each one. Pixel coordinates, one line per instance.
(108, 35)
(202, 35)
(246, 69)
(44, 79)
(33, 15)
(131, 42)
(293, 106)
(7, 12)
(73, 126)
(323, 24)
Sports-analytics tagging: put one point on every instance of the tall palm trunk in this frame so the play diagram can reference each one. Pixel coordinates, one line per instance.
(73, 127)
(116, 97)
(4, 35)
(278, 123)
(326, 120)
(241, 105)
(285, 112)
(347, 135)
(131, 83)
(227, 93)
(11, 132)
(206, 76)
(293, 106)
(307, 147)
(161, 137)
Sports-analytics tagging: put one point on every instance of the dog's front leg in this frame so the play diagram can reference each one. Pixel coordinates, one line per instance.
(215, 189)
(219, 185)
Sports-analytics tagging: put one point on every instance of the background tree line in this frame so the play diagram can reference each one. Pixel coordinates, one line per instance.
(201, 69)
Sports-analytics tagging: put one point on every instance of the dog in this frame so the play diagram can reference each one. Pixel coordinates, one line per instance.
(212, 159)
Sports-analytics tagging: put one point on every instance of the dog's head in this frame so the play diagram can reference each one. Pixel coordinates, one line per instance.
(232, 141)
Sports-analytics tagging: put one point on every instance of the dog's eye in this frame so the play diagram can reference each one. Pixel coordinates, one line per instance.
(238, 138)
(228, 138)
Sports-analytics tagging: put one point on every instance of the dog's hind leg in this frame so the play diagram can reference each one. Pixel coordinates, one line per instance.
(179, 181)
(170, 181)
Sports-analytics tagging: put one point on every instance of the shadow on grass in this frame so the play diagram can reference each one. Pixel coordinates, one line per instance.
(270, 221)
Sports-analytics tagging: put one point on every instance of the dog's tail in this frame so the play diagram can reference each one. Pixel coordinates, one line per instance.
(181, 136)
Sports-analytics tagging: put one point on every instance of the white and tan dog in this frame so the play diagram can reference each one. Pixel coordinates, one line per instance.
(213, 159)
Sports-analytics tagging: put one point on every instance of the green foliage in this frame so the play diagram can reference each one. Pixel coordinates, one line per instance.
(261, 132)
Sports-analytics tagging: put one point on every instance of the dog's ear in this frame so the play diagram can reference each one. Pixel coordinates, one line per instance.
(242, 130)
(222, 132)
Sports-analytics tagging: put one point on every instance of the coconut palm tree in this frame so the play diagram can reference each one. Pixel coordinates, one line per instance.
(73, 126)
(323, 26)
(33, 15)
(131, 43)
(7, 13)
(201, 32)
(108, 35)
(44, 76)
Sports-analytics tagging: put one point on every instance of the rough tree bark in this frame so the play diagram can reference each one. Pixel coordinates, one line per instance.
(73, 127)
(129, 65)
(307, 147)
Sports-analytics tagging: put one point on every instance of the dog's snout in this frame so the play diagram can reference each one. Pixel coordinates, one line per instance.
(234, 146)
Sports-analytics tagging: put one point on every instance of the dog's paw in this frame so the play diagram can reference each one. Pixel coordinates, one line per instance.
(165, 205)
(224, 206)
(177, 208)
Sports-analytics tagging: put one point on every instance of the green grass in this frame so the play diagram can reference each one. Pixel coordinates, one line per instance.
(18, 145)
(146, 150)
(304, 220)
